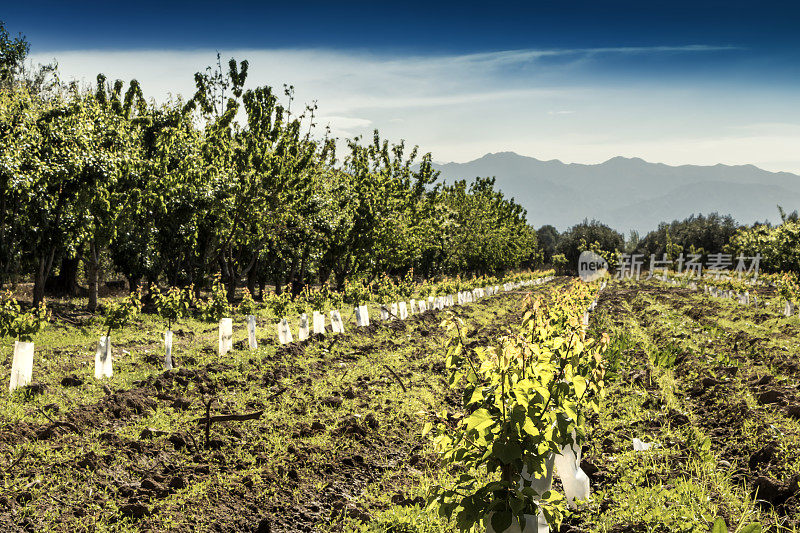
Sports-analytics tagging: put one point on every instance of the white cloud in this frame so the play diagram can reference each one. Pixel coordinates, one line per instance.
(343, 126)
(462, 106)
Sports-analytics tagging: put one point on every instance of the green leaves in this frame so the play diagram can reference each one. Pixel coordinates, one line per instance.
(479, 420)
(117, 314)
(18, 324)
(216, 306)
(501, 520)
(524, 399)
(171, 305)
(507, 451)
(720, 526)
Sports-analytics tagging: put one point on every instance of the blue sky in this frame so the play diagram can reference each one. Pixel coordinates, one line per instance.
(673, 82)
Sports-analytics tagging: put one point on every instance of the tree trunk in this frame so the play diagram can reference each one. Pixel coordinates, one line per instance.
(230, 286)
(66, 283)
(42, 272)
(262, 283)
(93, 275)
(292, 273)
(252, 279)
(134, 282)
(299, 282)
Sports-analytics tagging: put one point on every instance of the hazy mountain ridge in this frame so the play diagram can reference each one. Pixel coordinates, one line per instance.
(630, 193)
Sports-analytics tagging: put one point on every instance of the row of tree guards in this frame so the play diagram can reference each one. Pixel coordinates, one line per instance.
(22, 365)
(742, 297)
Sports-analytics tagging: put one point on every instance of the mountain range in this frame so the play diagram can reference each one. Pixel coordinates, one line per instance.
(630, 193)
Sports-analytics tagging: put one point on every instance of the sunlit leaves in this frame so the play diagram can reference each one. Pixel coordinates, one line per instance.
(524, 398)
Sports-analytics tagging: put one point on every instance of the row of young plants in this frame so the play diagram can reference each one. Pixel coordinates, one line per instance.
(720, 287)
(385, 291)
(175, 304)
(524, 400)
(786, 284)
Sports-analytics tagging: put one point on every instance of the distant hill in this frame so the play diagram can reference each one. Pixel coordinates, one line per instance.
(631, 194)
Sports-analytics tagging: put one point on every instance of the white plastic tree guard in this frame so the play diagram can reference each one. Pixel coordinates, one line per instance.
(337, 326)
(422, 306)
(384, 312)
(303, 331)
(318, 320)
(412, 306)
(402, 310)
(362, 316)
(102, 359)
(284, 332)
(21, 365)
(168, 350)
(225, 335)
(251, 332)
(573, 478)
(394, 312)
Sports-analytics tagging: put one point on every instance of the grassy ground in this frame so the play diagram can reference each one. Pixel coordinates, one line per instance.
(333, 442)
(713, 385)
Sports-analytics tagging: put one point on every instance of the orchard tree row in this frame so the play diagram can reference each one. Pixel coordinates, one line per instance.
(232, 181)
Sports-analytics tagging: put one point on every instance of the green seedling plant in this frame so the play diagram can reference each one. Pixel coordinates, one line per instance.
(334, 298)
(216, 306)
(280, 304)
(171, 305)
(384, 289)
(789, 287)
(117, 315)
(426, 289)
(18, 324)
(311, 299)
(445, 287)
(356, 292)
(248, 305)
(524, 398)
(406, 285)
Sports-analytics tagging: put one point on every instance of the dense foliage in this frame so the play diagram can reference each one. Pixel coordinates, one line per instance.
(593, 236)
(524, 400)
(778, 245)
(697, 234)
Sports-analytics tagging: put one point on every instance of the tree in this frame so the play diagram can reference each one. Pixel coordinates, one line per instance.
(589, 235)
(779, 246)
(261, 171)
(13, 52)
(548, 240)
(385, 197)
(483, 232)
